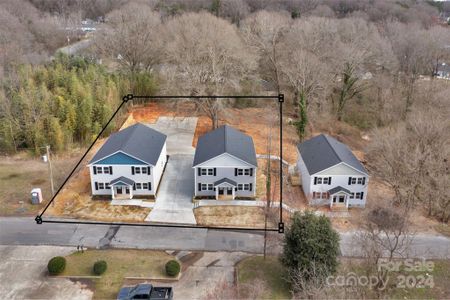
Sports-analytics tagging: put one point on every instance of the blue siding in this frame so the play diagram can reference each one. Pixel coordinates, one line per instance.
(120, 159)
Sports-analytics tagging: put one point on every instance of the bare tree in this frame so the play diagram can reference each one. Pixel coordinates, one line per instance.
(132, 37)
(206, 56)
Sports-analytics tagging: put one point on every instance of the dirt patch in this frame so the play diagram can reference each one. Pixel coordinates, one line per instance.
(231, 216)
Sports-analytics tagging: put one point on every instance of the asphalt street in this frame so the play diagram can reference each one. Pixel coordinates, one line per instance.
(24, 231)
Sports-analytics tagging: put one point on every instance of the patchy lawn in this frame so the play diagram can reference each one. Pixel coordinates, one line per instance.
(259, 278)
(232, 216)
(20, 173)
(121, 264)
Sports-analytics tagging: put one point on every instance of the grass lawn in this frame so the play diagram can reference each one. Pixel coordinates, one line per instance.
(255, 270)
(121, 264)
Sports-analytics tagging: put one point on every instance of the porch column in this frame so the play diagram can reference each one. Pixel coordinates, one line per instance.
(233, 192)
(331, 201)
(346, 200)
(112, 192)
(131, 192)
(217, 192)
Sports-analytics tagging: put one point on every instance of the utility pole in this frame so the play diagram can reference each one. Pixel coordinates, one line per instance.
(50, 169)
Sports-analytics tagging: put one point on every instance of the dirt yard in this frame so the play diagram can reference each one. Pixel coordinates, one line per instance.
(232, 216)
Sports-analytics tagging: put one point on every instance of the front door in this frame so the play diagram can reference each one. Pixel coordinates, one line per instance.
(127, 190)
(220, 191)
(119, 190)
(229, 191)
(341, 199)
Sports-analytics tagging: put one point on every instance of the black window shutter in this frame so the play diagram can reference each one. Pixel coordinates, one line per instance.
(315, 180)
(199, 186)
(215, 171)
(251, 171)
(134, 186)
(96, 185)
(148, 170)
(251, 186)
(94, 168)
(329, 180)
(132, 170)
(364, 181)
(149, 186)
(235, 171)
(362, 195)
(349, 181)
(199, 171)
(110, 170)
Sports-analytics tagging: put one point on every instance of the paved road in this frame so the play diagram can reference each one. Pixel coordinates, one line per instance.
(174, 200)
(24, 231)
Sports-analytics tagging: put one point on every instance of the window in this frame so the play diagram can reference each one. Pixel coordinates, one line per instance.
(325, 195)
(208, 172)
(99, 170)
(353, 180)
(210, 187)
(204, 187)
(240, 187)
(145, 186)
(107, 186)
(247, 172)
(319, 180)
(144, 170)
(246, 186)
(101, 185)
(314, 195)
(358, 195)
(138, 186)
(360, 180)
(240, 172)
(106, 170)
(325, 180)
(352, 196)
(137, 170)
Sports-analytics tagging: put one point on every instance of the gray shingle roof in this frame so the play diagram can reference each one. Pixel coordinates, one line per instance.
(227, 180)
(138, 140)
(122, 179)
(338, 189)
(225, 139)
(322, 152)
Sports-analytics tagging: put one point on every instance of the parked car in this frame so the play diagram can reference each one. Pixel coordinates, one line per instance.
(145, 291)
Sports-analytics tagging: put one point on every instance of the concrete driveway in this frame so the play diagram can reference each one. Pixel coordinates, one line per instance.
(23, 274)
(180, 133)
(174, 198)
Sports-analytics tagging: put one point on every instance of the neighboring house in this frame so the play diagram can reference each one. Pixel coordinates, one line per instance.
(443, 71)
(129, 164)
(331, 174)
(225, 165)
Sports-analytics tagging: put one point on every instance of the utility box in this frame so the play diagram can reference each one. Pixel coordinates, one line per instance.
(36, 196)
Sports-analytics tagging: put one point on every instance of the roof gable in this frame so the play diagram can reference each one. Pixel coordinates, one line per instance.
(322, 152)
(225, 139)
(138, 141)
(119, 158)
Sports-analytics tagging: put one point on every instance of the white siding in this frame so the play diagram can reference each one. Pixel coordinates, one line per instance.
(304, 175)
(225, 168)
(159, 167)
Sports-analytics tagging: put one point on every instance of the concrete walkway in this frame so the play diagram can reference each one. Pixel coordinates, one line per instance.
(174, 198)
(133, 202)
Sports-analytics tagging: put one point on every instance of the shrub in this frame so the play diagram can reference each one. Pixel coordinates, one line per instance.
(100, 267)
(172, 268)
(56, 265)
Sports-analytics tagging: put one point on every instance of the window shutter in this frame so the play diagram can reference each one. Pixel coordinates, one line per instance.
(94, 168)
(132, 170)
(199, 186)
(235, 171)
(149, 186)
(362, 195)
(199, 171)
(364, 181)
(251, 171)
(251, 186)
(349, 181)
(134, 186)
(315, 180)
(96, 186)
(110, 170)
(148, 170)
(329, 180)
(215, 171)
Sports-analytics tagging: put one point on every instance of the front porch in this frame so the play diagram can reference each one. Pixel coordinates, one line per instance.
(339, 198)
(121, 188)
(225, 189)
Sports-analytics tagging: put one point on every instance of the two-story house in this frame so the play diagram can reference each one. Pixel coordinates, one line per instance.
(129, 164)
(225, 165)
(331, 174)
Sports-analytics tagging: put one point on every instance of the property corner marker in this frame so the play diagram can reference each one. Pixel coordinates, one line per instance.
(129, 97)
